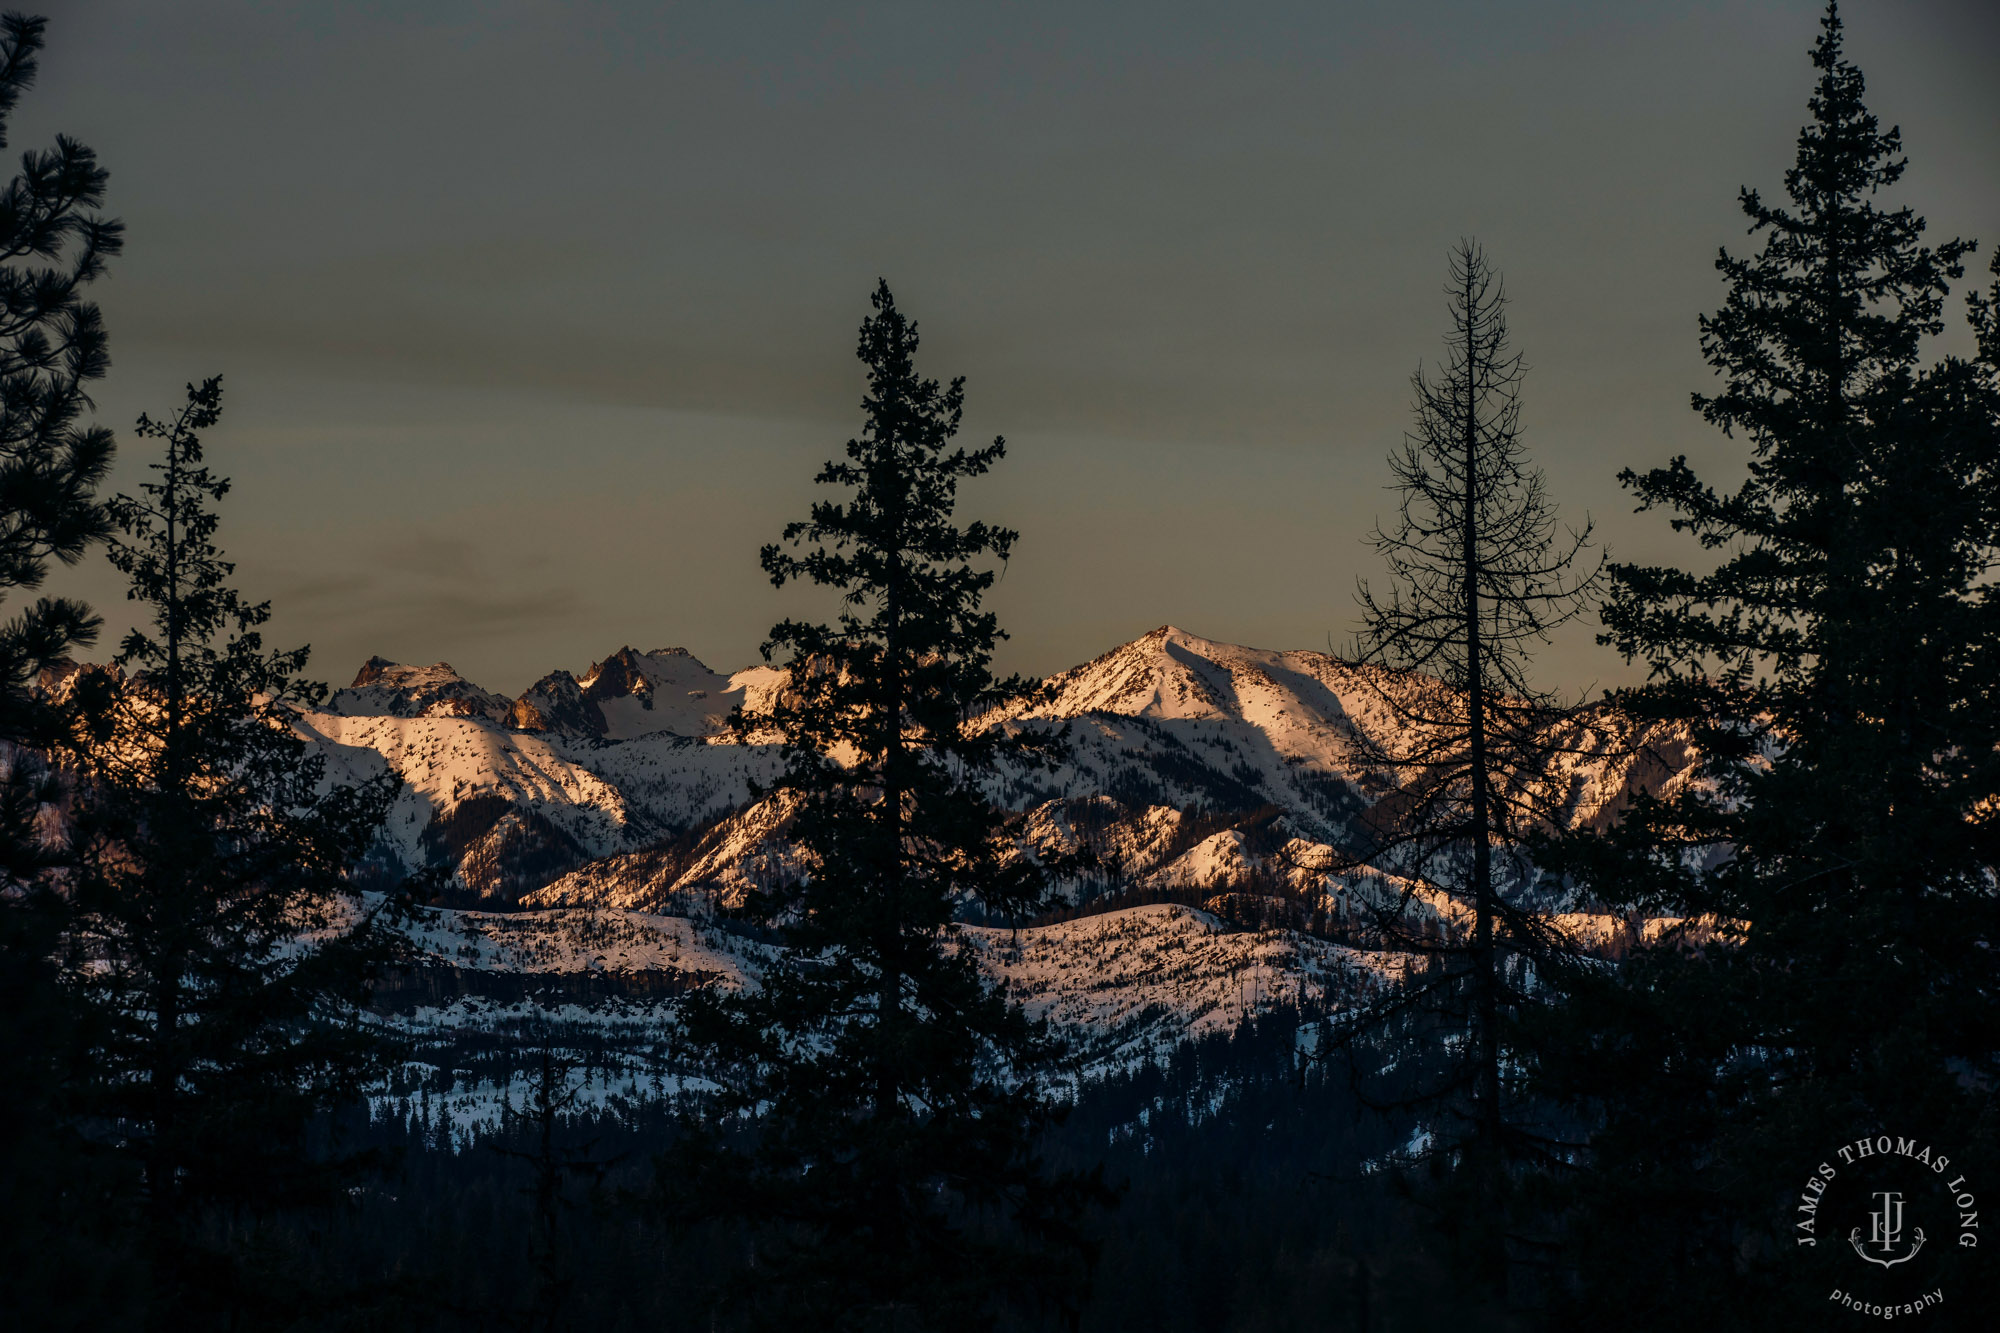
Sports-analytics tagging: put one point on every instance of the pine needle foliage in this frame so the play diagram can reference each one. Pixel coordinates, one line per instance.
(1836, 862)
(53, 245)
(894, 1181)
(215, 938)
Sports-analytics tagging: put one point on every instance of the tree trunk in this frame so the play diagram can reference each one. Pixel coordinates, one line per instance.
(1486, 1091)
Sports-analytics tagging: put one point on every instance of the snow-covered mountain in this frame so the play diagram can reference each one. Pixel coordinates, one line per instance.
(511, 794)
(1189, 760)
(601, 817)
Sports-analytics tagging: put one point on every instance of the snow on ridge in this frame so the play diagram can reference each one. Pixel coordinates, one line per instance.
(730, 858)
(626, 695)
(1122, 989)
(444, 761)
(641, 751)
(668, 689)
(1128, 985)
(1121, 986)
(572, 940)
(394, 689)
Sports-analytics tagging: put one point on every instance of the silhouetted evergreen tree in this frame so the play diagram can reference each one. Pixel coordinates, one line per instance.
(215, 939)
(1838, 667)
(53, 1202)
(553, 1098)
(52, 344)
(894, 1181)
(1482, 574)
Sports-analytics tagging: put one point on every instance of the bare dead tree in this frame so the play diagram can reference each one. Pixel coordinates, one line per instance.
(1482, 572)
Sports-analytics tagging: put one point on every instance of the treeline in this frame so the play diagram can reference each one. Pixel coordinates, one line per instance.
(1523, 1134)
(1243, 1205)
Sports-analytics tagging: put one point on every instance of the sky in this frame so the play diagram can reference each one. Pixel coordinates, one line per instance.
(536, 320)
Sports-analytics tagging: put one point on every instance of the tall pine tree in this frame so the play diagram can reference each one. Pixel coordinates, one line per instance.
(1837, 666)
(216, 940)
(894, 1181)
(53, 244)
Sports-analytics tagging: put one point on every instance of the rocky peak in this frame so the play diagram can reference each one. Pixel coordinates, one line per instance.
(397, 690)
(621, 674)
(376, 670)
(668, 689)
(556, 703)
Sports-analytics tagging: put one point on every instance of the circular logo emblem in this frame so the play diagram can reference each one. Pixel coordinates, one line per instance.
(1879, 1220)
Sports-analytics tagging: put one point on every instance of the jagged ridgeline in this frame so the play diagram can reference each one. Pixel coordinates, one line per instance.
(1194, 764)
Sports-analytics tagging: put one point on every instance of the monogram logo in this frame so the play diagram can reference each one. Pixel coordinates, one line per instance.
(1885, 1232)
(1892, 1198)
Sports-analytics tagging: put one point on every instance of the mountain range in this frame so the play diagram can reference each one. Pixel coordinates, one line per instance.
(1189, 761)
(593, 827)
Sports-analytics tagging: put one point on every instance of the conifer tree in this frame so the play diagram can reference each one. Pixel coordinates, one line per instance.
(52, 344)
(894, 1180)
(53, 244)
(552, 1098)
(1482, 573)
(215, 936)
(1836, 664)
